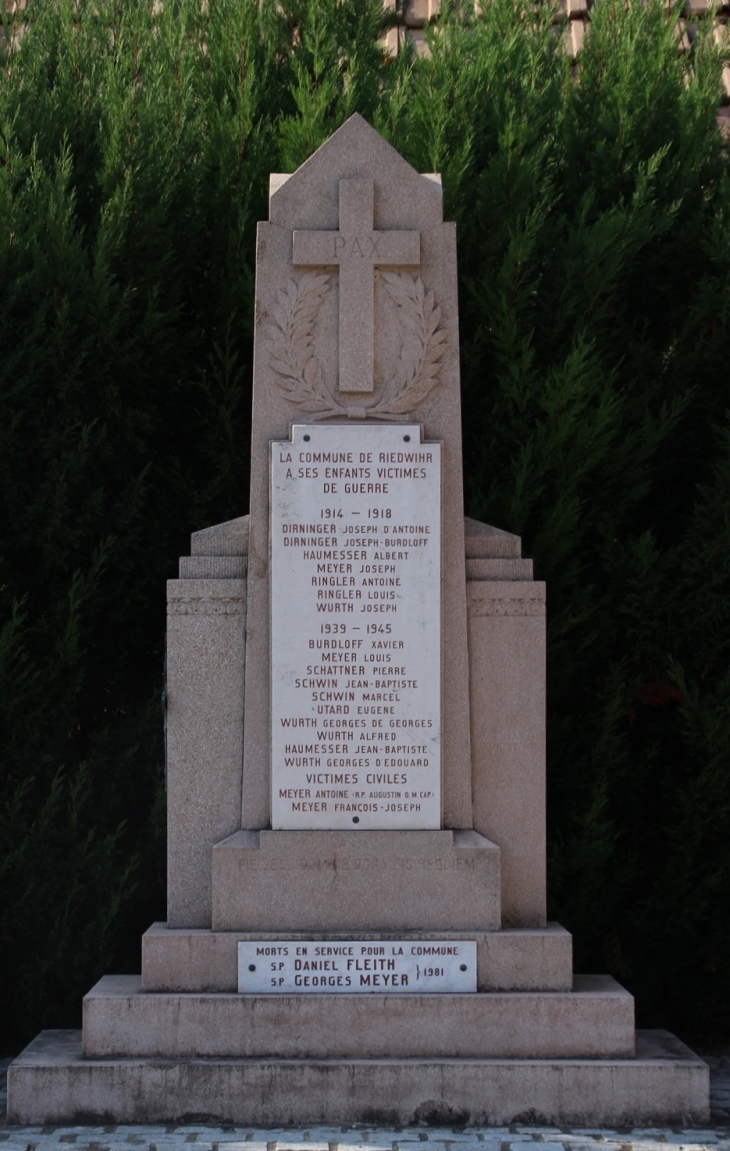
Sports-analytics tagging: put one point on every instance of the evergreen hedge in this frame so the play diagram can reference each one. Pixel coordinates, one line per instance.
(594, 230)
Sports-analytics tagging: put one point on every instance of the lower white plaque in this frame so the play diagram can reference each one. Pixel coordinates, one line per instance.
(357, 967)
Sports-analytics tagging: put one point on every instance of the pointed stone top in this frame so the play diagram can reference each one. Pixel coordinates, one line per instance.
(356, 151)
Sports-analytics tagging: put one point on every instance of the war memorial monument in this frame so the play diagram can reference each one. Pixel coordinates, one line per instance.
(356, 927)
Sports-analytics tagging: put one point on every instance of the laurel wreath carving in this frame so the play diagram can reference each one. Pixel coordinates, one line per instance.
(293, 358)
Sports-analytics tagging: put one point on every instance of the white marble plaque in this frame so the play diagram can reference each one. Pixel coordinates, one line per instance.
(356, 628)
(421, 967)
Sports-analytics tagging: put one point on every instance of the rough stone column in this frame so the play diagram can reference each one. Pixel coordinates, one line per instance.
(206, 648)
(506, 619)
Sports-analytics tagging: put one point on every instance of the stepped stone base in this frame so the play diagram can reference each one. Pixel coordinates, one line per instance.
(664, 1084)
(595, 1020)
(515, 959)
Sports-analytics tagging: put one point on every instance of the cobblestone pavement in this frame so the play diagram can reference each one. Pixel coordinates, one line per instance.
(199, 1137)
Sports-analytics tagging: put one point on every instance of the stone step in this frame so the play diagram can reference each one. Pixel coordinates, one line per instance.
(333, 881)
(483, 540)
(516, 959)
(492, 569)
(665, 1084)
(213, 567)
(226, 539)
(595, 1020)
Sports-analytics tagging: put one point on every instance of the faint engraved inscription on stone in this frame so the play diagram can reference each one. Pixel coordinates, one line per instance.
(389, 865)
(357, 249)
(351, 967)
(207, 606)
(527, 605)
(356, 628)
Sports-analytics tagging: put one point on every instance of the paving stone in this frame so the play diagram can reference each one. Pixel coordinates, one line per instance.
(208, 1139)
(688, 1140)
(381, 1138)
(288, 1145)
(587, 1137)
(329, 1135)
(518, 1137)
(236, 1140)
(652, 1133)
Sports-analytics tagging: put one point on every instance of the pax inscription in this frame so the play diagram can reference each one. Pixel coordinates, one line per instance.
(357, 248)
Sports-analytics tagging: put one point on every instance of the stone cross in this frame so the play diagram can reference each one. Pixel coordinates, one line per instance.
(357, 249)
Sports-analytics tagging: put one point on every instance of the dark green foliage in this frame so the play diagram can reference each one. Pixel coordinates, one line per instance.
(594, 225)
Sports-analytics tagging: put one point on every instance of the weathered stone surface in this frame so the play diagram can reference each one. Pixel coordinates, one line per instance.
(595, 1020)
(507, 686)
(482, 541)
(205, 657)
(664, 1084)
(355, 881)
(196, 959)
(526, 959)
(226, 539)
(498, 569)
(213, 567)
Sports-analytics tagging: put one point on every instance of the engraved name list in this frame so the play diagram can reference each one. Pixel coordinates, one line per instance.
(355, 619)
